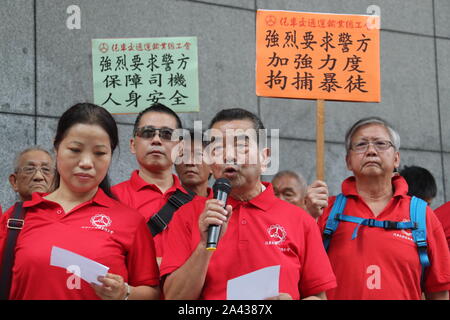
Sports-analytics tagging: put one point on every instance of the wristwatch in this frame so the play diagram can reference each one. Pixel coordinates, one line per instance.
(127, 295)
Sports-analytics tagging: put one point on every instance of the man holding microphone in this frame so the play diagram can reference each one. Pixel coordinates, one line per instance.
(257, 230)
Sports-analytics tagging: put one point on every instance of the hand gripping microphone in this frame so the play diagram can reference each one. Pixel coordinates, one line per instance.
(221, 189)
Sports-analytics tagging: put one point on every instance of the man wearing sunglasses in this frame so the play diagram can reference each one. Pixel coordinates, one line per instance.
(33, 172)
(155, 148)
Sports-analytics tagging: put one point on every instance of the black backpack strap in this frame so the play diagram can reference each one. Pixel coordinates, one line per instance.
(14, 225)
(159, 221)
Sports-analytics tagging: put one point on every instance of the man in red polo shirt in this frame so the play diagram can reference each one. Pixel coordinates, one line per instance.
(150, 187)
(259, 230)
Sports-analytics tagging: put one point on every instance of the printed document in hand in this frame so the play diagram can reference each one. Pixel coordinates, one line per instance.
(89, 269)
(257, 285)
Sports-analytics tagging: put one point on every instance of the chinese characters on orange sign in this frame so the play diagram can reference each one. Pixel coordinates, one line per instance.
(317, 56)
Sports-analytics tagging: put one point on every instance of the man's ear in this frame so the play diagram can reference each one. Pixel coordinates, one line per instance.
(397, 160)
(265, 159)
(13, 181)
(176, 154)
(347, 162)
(181, 146)
(132, 147)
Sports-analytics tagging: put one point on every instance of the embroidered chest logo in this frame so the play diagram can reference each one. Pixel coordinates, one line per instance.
(101, 222)
(404, 234)
(277, 235)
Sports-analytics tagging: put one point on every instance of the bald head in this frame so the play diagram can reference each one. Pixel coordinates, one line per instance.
(290, 186)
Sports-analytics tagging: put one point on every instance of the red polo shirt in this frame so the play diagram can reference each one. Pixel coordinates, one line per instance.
(384, 264)
(101, 229)
(443, 214)
(262, 232)
(147, 199)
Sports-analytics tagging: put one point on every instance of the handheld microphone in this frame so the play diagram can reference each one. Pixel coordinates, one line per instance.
(221, 189)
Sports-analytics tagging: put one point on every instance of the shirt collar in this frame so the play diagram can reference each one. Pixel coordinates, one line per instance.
(263, 201)
(99, 198)
(138, 183)
(36, 199)
(398, 183)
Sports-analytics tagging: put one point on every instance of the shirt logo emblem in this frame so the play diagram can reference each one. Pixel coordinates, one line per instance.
(403, 233)
(277, 233)
(100, 222)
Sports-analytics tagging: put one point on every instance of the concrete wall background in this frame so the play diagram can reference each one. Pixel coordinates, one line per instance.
(46, 68)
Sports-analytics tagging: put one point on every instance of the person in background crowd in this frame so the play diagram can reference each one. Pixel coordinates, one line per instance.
(82, 216)
(443, 214)
(421, 183)
(193, 171)
(291, 187)
(34, 170)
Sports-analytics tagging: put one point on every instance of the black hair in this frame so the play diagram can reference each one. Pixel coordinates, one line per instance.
(421, 182)
(87, 113)
(157, 107)
(196, 135)
(237, 114)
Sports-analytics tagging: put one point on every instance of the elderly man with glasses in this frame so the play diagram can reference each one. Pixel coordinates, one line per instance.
(372, 237)
(33, 172)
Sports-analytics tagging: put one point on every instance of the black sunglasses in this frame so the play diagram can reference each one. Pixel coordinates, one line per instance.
(149, 132)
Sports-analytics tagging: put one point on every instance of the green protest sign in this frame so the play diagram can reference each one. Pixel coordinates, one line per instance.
(131, 74)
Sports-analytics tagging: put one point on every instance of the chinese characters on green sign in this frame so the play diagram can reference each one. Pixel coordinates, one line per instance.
(131, 74)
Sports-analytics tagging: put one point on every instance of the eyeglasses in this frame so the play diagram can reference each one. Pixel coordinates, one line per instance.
(149, 132)
(380, 145)
(31, 170)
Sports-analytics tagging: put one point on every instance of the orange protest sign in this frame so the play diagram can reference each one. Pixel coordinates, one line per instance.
(317, 56)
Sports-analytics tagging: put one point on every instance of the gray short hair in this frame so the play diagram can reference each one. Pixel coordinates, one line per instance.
(395, 137)
(21, 153)
(297, 176)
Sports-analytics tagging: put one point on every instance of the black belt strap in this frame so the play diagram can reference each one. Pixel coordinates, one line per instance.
(14, 225)
(159, 221)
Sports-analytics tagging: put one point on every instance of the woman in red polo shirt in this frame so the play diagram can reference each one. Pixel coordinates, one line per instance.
(82, 216)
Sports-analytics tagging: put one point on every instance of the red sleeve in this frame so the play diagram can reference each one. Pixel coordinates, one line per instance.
(443, 214)
(178, 241)
(122, 194)
(438, 274)
(141, 259)
(317, 274)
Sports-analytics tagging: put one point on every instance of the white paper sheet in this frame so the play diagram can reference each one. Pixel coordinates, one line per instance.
(257, 285)
(89, 269)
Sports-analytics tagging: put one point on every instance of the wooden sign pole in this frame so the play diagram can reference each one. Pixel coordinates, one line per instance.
(320, 140)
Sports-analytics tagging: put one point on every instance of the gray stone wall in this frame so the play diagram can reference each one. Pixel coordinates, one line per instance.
(46, 67)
